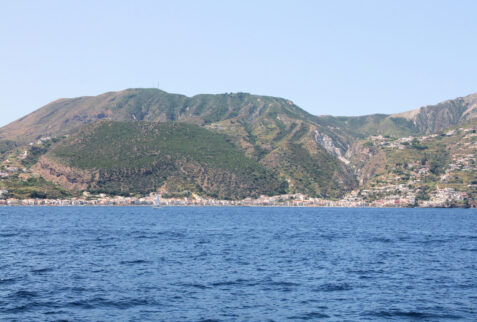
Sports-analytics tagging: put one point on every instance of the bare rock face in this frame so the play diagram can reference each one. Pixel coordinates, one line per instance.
(70, 178)
(366, 161)
(433, 118)
(327, 143)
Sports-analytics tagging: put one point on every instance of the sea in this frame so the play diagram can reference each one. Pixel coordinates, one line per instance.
(237, 264)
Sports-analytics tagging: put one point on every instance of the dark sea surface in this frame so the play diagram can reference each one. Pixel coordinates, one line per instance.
(136, 264)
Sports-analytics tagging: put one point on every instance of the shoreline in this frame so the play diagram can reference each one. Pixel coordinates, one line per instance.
(287, 201)
(227, 206)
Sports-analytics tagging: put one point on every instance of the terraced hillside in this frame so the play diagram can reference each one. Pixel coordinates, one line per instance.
(419, 167)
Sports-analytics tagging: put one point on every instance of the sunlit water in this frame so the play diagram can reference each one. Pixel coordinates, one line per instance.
(237, 264)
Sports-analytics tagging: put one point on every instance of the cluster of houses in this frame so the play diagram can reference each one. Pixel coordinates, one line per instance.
(8, 168)
(401, 143)
(41, 140)
(295, 200)
(460, 162)
(382, 141)
(444, 198)
(408, 183)
(440, 198)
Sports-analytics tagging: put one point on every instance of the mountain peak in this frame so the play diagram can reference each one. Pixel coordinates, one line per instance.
(432, 118)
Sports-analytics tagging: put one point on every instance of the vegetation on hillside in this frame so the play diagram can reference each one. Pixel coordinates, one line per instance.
(33, 187)
(376, 124)
(18, 180)
(424, 164)
(140, 157)
(240, 142)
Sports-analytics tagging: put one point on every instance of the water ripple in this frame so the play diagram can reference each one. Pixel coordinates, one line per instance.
(237, 264)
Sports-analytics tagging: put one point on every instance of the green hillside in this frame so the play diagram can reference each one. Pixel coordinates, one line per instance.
(140, 157)
(376, 124)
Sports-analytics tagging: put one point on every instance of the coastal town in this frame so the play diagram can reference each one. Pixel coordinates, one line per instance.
(441, 198)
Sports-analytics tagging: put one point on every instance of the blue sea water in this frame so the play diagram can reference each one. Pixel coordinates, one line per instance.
(136, 264)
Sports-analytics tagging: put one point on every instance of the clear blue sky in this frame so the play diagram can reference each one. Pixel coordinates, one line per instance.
(329, 57)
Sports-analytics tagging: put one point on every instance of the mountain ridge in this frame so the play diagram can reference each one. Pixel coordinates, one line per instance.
(432, 118)
(316, 155)
(157, 105)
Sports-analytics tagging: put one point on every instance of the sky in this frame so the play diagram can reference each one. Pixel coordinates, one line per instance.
(329, 57)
